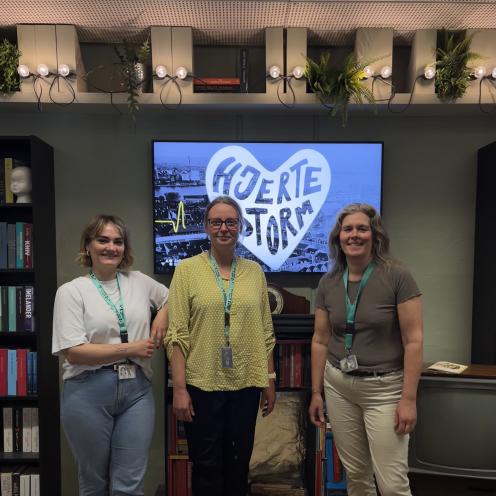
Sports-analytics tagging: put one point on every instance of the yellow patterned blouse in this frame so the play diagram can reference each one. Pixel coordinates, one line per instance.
(196, 325)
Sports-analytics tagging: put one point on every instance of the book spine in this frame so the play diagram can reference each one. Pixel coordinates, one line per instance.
(35, 372)
(28, 245)
(3, 372)
(19, 228)
(3, 186)
(6, 483)
(8, 435)
(17, 429)
(26, 429)
(19, 308)
(28, 321)
(243, 56)
(3, 245)
(4, 295)
(12, 295)
(8, 165)
(12, 372)
(11, 246)
(22, 368)
(35, 431)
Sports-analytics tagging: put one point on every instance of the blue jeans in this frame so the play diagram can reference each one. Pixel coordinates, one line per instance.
(109, 426)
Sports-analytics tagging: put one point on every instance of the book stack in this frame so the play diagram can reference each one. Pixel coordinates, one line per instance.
(292, 363)
(16, 245)
(18, 372)
(20, 481)
(17, 309)
(335, 475)
(217, 85)
(179, 476)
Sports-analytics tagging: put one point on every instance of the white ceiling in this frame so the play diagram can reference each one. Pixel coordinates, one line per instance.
(330, 22)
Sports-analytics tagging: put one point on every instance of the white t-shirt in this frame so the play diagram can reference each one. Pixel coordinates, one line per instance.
(82, 316)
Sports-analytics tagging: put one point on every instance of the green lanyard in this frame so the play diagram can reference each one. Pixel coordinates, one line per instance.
(226, 296)
(351, 307)
(118, 310)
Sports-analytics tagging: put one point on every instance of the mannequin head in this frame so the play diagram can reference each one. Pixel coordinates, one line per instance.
(20, 184)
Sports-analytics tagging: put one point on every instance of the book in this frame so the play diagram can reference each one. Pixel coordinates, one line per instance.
(8, 164)
(28, 245)
(8, 433)
(19, 244)
(26, 429)
(35, 431)
(217, 85)
(11, 246)
(3, 372)
(2, 181)
(28, 307)
(243, 69)
(12, 303)
(6, 482)
(448, 367)
(22, 372)
(17, 428)
(11, 372)
(3, 245)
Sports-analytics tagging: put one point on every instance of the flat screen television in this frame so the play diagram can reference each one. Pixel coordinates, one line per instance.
(455, 433)
(289, 193)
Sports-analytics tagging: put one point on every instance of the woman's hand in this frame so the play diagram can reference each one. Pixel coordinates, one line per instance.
(268, 398)
(182, 405)
(159, 326)
(316, 410)
(143, 348)
(405, 417)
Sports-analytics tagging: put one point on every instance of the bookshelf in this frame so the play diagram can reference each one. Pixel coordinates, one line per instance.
(34, 153)
(293, 331)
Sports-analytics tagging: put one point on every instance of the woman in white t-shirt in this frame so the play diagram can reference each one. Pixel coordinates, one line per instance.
(102, 327)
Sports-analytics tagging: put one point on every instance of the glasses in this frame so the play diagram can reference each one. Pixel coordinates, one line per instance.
(217, 223)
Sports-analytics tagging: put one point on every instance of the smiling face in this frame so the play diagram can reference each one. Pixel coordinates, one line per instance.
(106, 250)
(224, 236)
(355, 236)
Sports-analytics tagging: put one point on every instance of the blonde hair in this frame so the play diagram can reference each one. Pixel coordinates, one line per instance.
(93, 229)
(380, 238)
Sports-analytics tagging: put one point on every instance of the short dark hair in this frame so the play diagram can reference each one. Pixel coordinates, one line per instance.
(93, 228)
(380, 238)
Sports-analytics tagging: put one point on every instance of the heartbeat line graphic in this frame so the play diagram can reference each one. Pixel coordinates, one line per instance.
(179, 219)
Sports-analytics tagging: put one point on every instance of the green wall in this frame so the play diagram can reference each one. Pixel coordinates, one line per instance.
(103, 164)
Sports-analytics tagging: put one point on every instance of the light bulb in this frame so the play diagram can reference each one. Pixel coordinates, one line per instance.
(429, 72)
(480, 72)
(274, 71)
(298, 72)
(181, 72)
(493, 73)
(368, 71)
(23, 71)
(386, 72)
(42, 70)
(64, 70)
(161, 71)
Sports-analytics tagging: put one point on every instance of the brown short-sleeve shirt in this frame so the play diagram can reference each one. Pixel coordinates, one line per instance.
(377, 339)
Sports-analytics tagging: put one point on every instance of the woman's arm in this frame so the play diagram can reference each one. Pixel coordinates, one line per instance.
(410, 319)
(159, 326)
(320, 341)
(181, 400)
(99, 354)
(268, 397)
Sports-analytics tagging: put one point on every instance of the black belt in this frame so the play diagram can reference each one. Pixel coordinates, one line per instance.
(114, 366)
(369, 373)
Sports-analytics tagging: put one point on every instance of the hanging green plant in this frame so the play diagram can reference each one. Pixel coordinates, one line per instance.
(336, 88)
(452, 72)
(9, 61)
(132, 61)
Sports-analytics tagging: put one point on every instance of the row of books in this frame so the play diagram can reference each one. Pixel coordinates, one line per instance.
(18, 372)
(19, 481)
(330, 475)
(16, 309)
(178, 476)
(292, 363)
(20, 429)
(176, 435)
(16, 245)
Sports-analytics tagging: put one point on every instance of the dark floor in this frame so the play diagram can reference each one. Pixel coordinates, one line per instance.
(435, 485)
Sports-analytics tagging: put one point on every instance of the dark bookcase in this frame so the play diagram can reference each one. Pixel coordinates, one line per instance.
(34, 153)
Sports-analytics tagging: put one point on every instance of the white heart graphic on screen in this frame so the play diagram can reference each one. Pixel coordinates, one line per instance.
(279, 205)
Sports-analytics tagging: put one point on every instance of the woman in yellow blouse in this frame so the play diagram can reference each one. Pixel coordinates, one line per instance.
(220, 342)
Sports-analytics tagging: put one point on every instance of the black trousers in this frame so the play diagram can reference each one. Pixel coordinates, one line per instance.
(220, 440)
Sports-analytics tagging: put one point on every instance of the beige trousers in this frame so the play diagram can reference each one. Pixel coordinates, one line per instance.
(361, 411)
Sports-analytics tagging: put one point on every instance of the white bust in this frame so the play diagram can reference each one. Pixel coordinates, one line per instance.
(20, 184)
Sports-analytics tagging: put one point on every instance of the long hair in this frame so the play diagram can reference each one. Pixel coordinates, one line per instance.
(380, 238)
(93, 229)
(228, 201)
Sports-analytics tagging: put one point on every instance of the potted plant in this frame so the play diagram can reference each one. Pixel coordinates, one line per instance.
(132, 62)
(9, 61)
(452, 72)
(336, 88)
